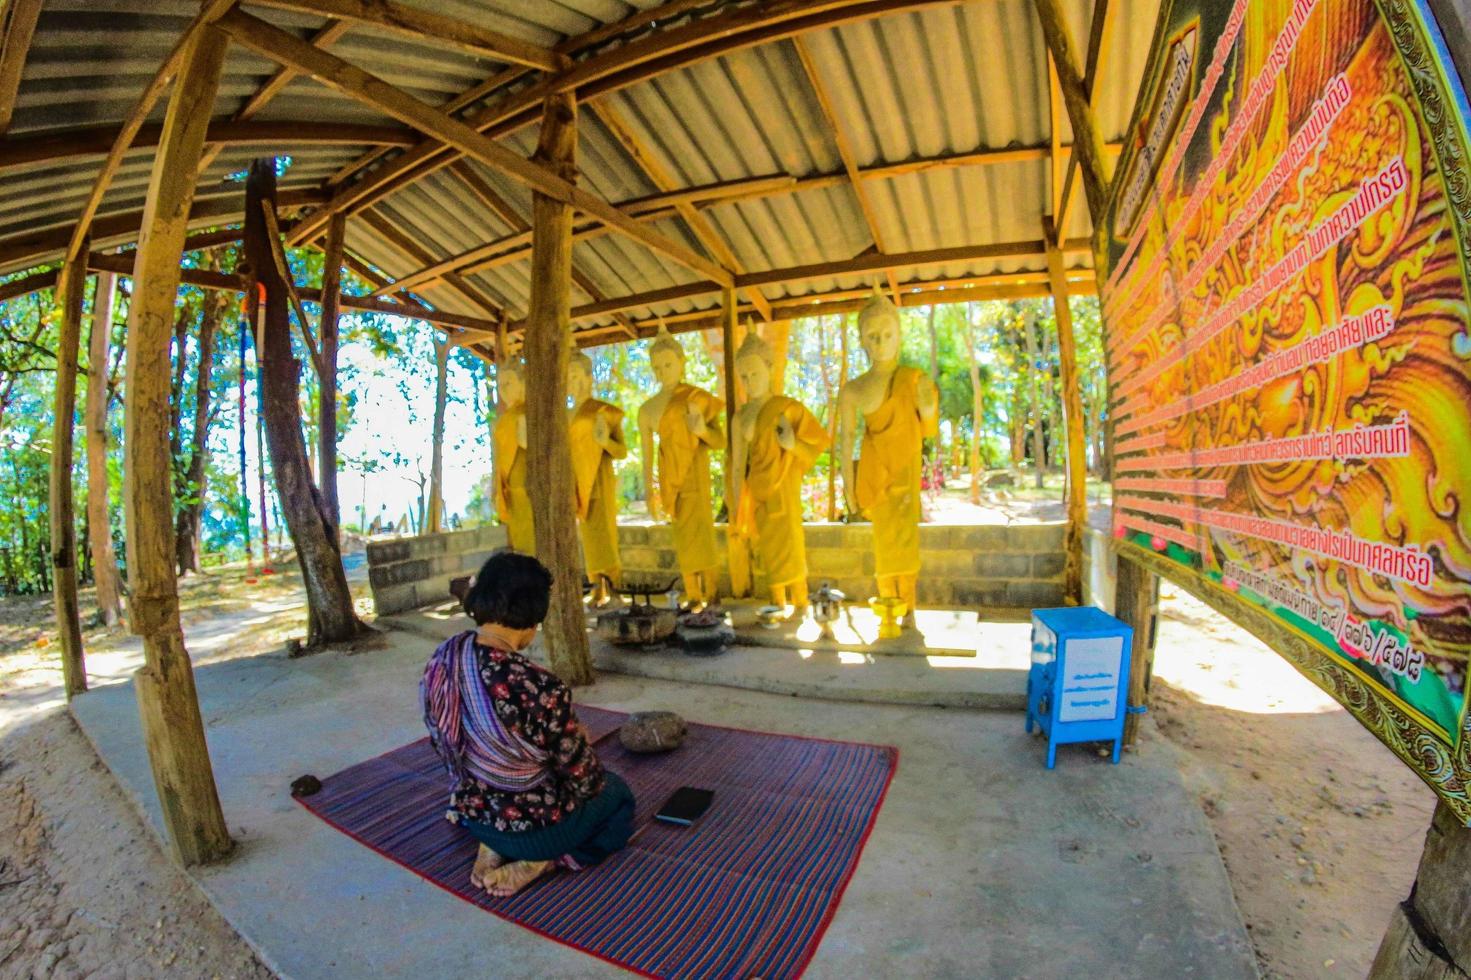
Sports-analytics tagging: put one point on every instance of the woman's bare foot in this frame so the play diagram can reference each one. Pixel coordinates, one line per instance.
(510, 878)
(486, 861)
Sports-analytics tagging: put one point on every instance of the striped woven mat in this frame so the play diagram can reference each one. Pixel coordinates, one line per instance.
(746, 892)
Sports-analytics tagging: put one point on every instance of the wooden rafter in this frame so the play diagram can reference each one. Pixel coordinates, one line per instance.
(283, 269)
(659, 175)
(17, 27)
(844, 143)
(272, 42)
(32, 248)
(516, 247)
(1099, 31)
(1088, 144)
(405, 243)
(211, 10)
(617, 67)
(479, 327)
(1055, 114)
(506, 211)
(869, 262)
(425, 25)
(97, 140)
(324, 38)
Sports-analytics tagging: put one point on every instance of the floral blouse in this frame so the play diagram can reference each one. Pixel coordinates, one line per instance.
(537, 706)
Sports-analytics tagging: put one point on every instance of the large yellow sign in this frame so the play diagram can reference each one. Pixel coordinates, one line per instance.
(1289, 356)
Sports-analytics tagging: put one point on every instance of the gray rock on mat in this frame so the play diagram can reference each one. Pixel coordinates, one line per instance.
(652, 731)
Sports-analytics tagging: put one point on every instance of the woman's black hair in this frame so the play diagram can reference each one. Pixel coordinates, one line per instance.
(510, 589)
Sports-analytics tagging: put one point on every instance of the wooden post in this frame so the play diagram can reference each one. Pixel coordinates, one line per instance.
(327, 372)
(167, 703)
(1087, 143)
(1039, 453)
(548, 345)
(434, 522)
(99, 520)
(331, 617)
(1076, 458)
(738, 550)
(72, 290)
(1429, 935)
(1136, 602)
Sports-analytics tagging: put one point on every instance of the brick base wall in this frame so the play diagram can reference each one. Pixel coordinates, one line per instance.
(963, 566)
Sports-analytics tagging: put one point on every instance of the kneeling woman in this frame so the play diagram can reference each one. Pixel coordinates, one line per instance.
(525, 781)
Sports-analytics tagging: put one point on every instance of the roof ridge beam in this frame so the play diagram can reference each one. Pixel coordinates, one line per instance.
(272, 42)
(426, 25)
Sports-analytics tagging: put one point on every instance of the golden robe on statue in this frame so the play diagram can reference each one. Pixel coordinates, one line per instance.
(595, 486)
(512, 502)
(888, 482)
(771, 496)
(684, 478)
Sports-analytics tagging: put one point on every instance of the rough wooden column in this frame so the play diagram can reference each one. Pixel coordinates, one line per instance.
(434, 520)
(548, 345)
(167, 703)
(738, 550)
(1072, 419)
(1136, 602)
(71, 291)
(327, 373)
(99, 518)
(1429, 936)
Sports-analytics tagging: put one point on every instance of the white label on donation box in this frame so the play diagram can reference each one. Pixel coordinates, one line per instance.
(1090, 687)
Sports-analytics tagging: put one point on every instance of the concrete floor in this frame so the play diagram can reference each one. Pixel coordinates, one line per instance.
(982, 862)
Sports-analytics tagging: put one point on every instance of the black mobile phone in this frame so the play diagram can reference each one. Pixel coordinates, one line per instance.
(685, 806)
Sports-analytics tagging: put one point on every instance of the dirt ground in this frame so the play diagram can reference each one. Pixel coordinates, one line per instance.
(1320, 826)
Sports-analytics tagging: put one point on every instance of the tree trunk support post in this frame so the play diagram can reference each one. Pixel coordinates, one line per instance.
(1072, 418)
(327, 372)
(71, 292)
(1429, 935)
(99, 519)
(548, 347)
(331, 617)
(1136, 602)
(167, 703)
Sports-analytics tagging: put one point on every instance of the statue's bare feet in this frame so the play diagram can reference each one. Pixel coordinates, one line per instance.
(486, 861)
(509, 879)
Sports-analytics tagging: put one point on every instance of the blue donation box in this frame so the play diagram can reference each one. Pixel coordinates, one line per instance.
(1077, 688)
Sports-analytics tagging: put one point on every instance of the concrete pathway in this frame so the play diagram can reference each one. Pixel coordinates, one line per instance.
(982, 863)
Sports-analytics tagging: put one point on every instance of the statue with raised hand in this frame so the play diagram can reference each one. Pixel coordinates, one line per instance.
(684, 423)
(899, 406)
(776, 441)
(595, 433)
(512, 502)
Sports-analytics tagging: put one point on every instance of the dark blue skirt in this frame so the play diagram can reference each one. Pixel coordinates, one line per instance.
(599, 827)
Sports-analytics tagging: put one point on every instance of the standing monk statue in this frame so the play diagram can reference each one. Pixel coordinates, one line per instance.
(686, 421)
(595, 432)
(776, 440)
(511, 499)
(900, 406)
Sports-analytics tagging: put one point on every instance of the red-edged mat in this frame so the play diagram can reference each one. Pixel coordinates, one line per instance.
(746, 892)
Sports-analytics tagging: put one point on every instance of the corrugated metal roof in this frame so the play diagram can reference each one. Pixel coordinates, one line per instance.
(947, 79)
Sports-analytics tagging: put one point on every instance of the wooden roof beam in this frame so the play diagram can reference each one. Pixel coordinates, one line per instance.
(210, 11)
(660, 177)
(844, 144)
(324, 38)
(96, 140)
(1088, 144)
(274, 43)
(1099, 31)
(642, 58)
(868, 262)
(405, 243)
(426, 25)
(17, 27)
